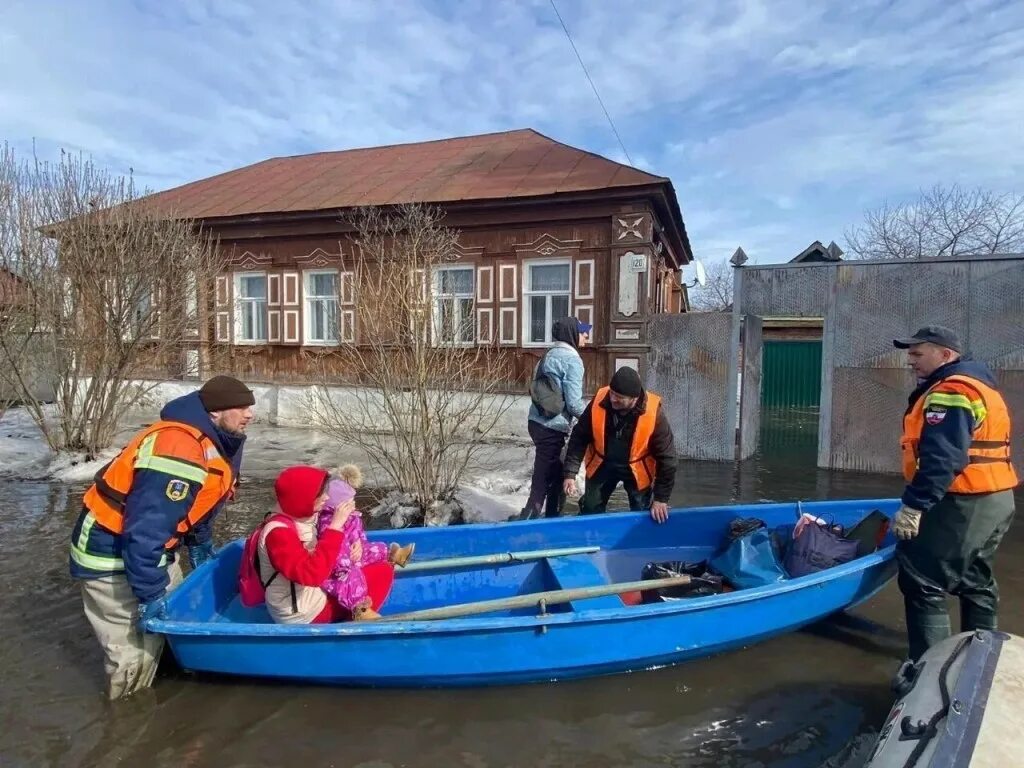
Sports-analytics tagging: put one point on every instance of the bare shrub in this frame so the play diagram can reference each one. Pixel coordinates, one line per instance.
(423, 394)
(111, 290)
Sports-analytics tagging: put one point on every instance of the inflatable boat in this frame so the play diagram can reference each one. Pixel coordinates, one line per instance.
(959, 706)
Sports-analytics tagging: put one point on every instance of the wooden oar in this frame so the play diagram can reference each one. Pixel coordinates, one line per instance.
(496, 559)
(554, 597)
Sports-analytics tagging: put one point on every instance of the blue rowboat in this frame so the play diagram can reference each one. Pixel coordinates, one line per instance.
(209, 630)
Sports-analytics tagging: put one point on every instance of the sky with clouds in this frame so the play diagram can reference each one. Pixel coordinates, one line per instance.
(778, 121)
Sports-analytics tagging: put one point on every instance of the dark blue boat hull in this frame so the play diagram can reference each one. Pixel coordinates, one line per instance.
(209, 631)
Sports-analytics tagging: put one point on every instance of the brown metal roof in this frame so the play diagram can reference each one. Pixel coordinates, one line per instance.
(512, 164)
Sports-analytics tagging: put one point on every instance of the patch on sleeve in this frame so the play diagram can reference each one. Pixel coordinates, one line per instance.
(177, 490)
(934, 414)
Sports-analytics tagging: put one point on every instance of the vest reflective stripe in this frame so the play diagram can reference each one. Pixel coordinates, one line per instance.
(185, 470)
(641, 463)
(105, 498)
(989, 467)
(81, 555)
(97, 562)
(948, 400)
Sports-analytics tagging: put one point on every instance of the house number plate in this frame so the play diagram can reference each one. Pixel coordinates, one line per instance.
(638, 263)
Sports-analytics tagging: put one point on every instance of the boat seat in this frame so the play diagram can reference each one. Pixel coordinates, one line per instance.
(579, 571)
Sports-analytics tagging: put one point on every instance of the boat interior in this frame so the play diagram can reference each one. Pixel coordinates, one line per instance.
(620, 546)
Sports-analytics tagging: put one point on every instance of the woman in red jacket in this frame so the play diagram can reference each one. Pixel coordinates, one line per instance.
(294, 561)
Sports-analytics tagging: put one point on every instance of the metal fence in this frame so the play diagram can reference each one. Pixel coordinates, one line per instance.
(864, 380)
(750, 386)
(688, 366)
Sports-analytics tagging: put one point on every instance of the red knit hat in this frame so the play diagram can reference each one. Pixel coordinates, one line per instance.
(297, 489)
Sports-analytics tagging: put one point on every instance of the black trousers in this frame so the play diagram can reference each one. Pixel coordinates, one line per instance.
(600, 487)
(546, 484)
(953, 555)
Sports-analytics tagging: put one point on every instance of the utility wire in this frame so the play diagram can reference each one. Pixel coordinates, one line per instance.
(591, 81)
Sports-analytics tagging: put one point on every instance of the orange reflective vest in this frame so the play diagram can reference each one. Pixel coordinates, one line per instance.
(989, 468)
(180, 450)
(641, 462)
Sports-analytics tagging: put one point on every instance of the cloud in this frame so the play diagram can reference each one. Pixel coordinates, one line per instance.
(779, 121)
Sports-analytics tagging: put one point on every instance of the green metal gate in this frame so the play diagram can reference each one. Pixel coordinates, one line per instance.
(791, 374)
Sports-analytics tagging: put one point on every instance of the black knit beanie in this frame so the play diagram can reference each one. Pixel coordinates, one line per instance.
(221, 393)
(626, 382)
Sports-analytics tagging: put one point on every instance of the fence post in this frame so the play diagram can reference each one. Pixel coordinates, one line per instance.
(732, 383)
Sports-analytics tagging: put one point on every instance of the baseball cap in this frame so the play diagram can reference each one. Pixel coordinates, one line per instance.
(936, 334)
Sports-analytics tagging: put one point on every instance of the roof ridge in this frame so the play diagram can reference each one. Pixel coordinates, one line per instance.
(412, 143)
(654, 177)
(517, 163)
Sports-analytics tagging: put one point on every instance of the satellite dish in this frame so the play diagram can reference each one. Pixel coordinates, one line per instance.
(700, 275)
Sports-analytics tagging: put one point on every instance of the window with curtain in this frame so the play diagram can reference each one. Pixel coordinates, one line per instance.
(321, 291)
(251, 317)
(454, 306)
(546, 293)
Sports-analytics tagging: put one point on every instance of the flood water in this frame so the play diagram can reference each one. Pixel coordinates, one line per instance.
(812, 698)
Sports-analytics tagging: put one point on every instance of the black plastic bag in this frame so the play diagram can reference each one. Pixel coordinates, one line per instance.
(704, 581)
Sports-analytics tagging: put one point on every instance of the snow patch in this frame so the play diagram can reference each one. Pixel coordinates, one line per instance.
(282, 436)
(399, 508)
(500, 494)
(73, 468)
(480, 506)
(290, 405)
(401, 511)
(23, 454)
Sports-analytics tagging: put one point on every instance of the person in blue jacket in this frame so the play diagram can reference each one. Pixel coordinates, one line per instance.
(162, 491)
(561, 370)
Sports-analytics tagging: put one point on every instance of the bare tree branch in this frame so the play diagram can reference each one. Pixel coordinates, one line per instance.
(423, 394)
(944, 221)
(105, 295)
(716, 295)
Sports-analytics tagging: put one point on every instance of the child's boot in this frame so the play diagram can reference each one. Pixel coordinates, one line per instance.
(363, 611)
(400, 555)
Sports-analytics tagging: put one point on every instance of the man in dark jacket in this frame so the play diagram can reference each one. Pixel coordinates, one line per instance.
(958, 501)
(623, 437)
(163, 490)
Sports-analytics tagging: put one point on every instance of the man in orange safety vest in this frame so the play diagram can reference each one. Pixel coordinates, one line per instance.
(623, 437)
(161, 492)
(958, 500)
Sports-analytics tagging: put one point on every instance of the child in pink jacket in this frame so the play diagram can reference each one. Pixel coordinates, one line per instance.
(347, 584)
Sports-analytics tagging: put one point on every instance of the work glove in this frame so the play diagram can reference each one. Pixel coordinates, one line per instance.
(906, 523)
(154, 609)
(200, 553)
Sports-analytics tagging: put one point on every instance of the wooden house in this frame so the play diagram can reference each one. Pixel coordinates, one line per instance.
(545, 230)
(11, 288)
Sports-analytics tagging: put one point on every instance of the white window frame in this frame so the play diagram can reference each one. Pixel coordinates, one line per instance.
(309, 298)
(191, 305)
(239, 301)
(437, 296)
(527, 266)
(142, 307)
